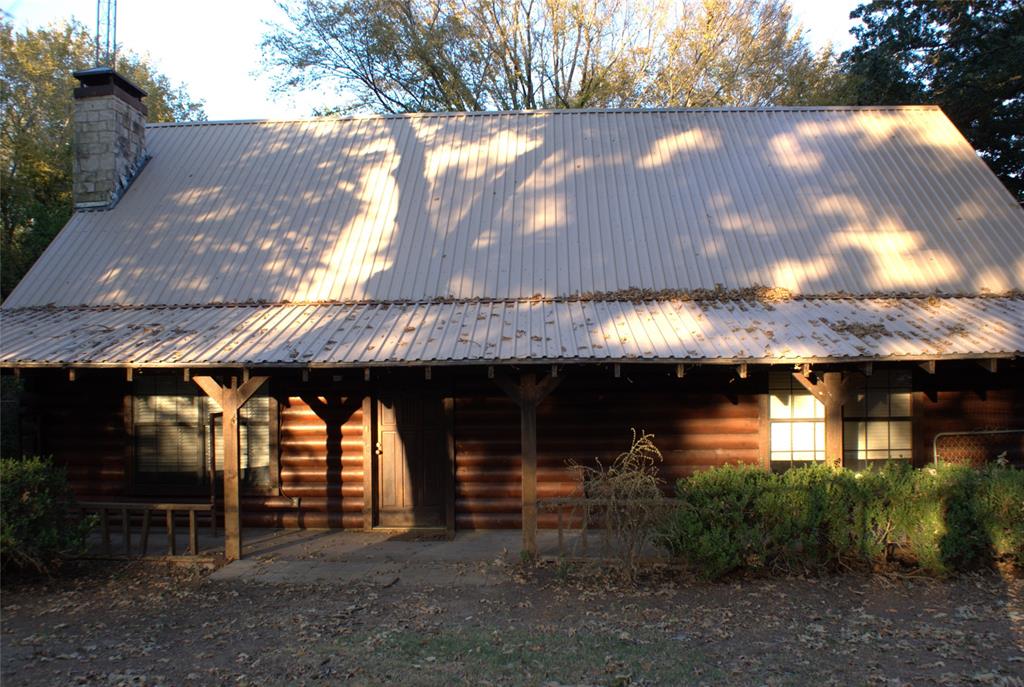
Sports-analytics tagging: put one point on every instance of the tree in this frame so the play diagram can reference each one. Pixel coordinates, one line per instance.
(431, 55)
(963, 55)
(36, 132)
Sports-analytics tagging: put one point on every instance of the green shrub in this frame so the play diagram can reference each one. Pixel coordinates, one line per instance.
(37, 529)
(716, 526)
(946, 519)
(1003, 496)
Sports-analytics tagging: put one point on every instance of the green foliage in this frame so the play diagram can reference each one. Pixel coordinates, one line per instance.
(36, 132)
(37, 529)
(1004, 498)
(947, 519)
(964, 56)
(716, 524)
(403, 56)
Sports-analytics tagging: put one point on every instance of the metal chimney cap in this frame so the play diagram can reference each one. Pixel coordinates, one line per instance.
(101, 76)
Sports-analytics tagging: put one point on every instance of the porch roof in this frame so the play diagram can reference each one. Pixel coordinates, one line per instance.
(515, 331)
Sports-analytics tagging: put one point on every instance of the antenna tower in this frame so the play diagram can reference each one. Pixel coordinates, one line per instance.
(106, 33)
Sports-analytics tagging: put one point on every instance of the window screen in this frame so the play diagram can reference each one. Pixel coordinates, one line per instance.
(877, 418)
(797, 422)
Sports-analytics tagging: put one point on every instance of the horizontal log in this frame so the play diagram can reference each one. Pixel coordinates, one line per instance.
(292, 519)
(297, 403)
(665, 420)
(488, 505)
(662, 412)
(564, 459)
(741, 437)
(95, 473)
(93, 489)
(73, 444)
(486, 475)
(311, 504)
(98, 407)
(487, 521)
(677, 471)
(485, 460)
(503, 521)
(513, 490)
(303, 413)
(313, 445)
(321, 462)
(83, 461)
(321, 429)
(352, 489)
(293, 476)
(80, 426)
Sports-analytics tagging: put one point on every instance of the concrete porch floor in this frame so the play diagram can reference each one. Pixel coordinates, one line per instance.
(310, 556)
(378, 558)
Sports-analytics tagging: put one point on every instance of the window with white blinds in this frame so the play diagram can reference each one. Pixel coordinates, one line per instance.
(797, 422)
(877, 419)
(253, 439)
(169, 418)
(179, 430)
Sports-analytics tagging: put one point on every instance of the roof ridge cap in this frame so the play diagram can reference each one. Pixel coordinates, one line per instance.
(577, 298)
(545, 112)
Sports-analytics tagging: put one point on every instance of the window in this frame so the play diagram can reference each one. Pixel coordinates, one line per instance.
(169, 423)
(797, 422)
(876, 419)
(253, 439)
(178, 434)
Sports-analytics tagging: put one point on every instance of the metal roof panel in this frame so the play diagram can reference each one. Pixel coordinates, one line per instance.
(515, 205)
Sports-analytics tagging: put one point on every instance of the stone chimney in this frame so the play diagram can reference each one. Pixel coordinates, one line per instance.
(110, 137)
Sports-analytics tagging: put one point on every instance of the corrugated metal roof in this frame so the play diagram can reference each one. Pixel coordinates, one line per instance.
(510, 205)
(516, 331)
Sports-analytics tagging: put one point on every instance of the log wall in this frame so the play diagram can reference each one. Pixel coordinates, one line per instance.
(703, 420)
(81, 424)
(321, 464)
(584, 419)
(962, 398)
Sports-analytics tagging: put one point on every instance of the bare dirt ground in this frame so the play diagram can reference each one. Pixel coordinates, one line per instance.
(153, 624)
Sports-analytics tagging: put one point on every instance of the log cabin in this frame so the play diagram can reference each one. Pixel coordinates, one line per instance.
(418, 321)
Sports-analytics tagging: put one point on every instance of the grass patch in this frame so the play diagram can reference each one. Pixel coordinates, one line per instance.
(464, 655)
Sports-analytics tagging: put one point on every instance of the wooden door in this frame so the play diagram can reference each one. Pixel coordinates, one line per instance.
(412, 463)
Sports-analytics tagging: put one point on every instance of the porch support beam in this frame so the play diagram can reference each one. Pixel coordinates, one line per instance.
(528, 394)
(832, 390)
(231, 398)
(528, 443)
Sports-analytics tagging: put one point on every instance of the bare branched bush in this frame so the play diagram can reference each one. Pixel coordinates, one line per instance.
(625, 497)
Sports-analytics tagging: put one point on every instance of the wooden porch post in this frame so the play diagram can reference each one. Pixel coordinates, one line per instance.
(231, 399)
(833, 402)
(528, 394)
(528, 447)
(832, 390)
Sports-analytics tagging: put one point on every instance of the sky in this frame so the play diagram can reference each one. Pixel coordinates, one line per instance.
(212, 46)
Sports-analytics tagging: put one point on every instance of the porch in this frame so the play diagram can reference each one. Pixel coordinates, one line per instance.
(335, 556)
